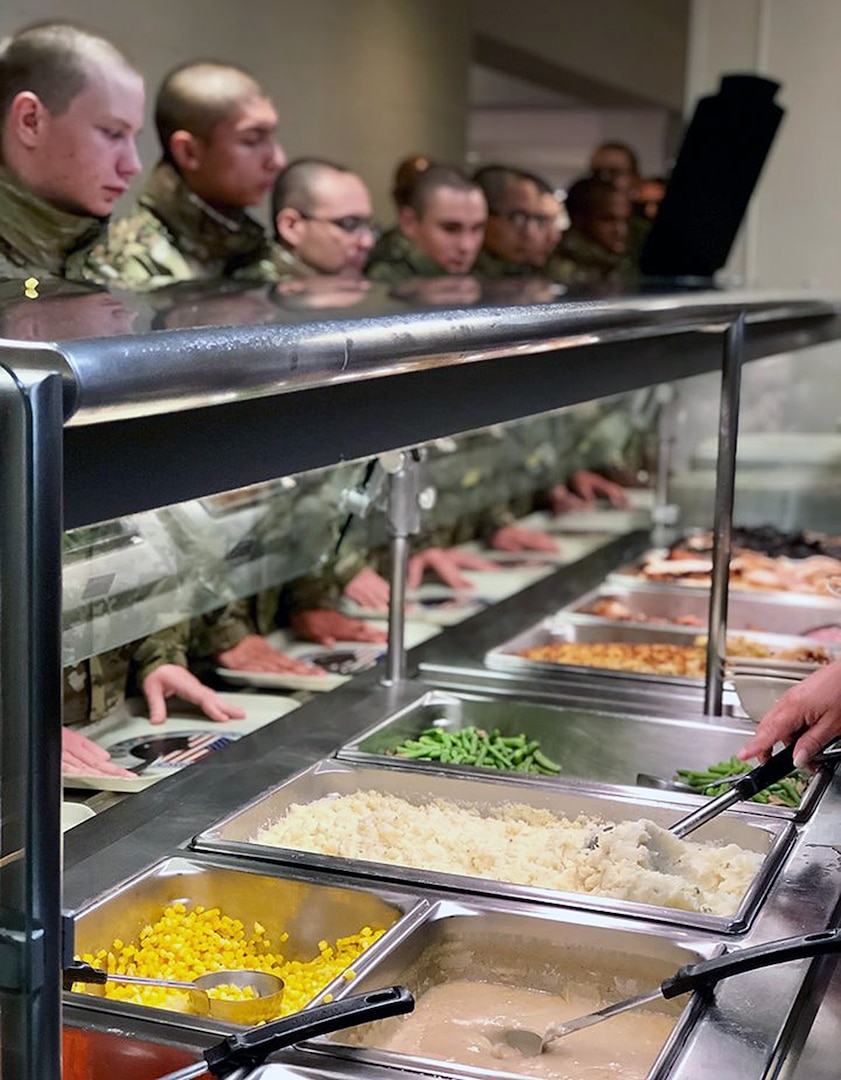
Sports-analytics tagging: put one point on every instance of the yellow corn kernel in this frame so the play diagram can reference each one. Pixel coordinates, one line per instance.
(184, 943)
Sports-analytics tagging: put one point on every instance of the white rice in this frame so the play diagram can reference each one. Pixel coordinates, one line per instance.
(523, 845)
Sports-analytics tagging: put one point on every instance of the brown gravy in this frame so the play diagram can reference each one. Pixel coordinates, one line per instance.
(461, 1022)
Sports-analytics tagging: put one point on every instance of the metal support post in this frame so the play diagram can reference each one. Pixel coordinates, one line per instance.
(725, 481)
(405, 500)
(31, 464)
(664, 515)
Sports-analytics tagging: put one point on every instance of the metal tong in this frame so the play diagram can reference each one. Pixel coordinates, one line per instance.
(775, 768)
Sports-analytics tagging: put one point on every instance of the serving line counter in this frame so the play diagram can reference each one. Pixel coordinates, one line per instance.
(113, 423)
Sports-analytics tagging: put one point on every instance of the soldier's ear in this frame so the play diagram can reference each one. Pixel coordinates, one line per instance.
(288, 223)
(185, 150)
(27, 115)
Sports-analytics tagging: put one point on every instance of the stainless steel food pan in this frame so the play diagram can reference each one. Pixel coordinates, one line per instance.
(773, 613)
(631, 575)
(590, 629)
(308, 908)
(553, 953)
(593, 748)
(235, 833)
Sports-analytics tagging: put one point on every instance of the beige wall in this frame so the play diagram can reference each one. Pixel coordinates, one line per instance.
(795, 220)
(791, 239)
(365, 82)
(636, 46)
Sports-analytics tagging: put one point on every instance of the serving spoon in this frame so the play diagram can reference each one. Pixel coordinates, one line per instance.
(267, 990)
(688, 978)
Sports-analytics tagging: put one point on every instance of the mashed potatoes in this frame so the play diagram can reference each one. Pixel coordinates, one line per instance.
(522, 845)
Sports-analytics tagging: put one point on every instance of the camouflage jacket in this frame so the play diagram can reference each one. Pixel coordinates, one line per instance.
(580, 261)
(400, 259)
(175, 236)
(95, 687)
(277, 264)
(488, 265)
(38, 240)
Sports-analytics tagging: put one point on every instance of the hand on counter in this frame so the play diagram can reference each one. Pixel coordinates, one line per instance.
(368, 589)
(80, 756)
(446, 564)
(171, 679)
(590, 486)
(325, 627)
(253, 653)
(562, 500)
(814, 703)
(516, 538)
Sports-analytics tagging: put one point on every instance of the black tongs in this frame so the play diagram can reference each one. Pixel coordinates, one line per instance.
(237, 1055)
(777, 766)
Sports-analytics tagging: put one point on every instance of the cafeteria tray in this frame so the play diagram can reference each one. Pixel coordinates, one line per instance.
(593, 748)
(589, 629)
(329, 778)
(552, 953)
(308, 909)
(773, 613)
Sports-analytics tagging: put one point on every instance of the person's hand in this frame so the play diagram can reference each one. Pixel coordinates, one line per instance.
(516, 538)
(814, 704)
(81, 756)
(590, 486)
(325, 627)
(446, 564)
(254, 653)
(171, 679)
(368, 590)
(561, 500)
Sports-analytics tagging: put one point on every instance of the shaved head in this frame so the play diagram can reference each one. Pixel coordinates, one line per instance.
(301, 182)
(197, 97)
(54, 61)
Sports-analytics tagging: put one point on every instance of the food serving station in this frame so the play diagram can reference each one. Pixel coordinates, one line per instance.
(110, 424)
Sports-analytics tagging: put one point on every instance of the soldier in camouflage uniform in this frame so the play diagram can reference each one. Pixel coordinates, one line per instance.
(515, 218)
(70, 107)
(440, 229)
(593, 251)
(220, 156)
(69, 112)
(323, 222)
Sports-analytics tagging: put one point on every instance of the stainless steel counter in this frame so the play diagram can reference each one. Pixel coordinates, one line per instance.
(743, 1030)
(113, 404)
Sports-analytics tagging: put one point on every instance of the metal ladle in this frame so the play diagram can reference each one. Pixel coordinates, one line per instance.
(688, 978)
(265, 1005)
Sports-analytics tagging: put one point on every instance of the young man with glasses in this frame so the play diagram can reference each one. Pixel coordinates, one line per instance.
(217, 131)
(516, 221)
(323, 221)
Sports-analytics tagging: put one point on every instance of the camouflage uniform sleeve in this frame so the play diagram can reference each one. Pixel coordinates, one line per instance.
(167, 646)
(392, 273)
(141, 254)
(322, 588)
(219, 630)
(95, 687)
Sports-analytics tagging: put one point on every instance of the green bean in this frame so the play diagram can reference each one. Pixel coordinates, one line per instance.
(546, 763)
(474, 746)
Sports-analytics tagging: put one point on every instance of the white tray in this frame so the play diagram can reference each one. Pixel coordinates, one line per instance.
(129, 727)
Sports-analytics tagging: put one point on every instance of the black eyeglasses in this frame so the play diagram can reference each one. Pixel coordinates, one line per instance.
(349, 224)
(520, 219)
